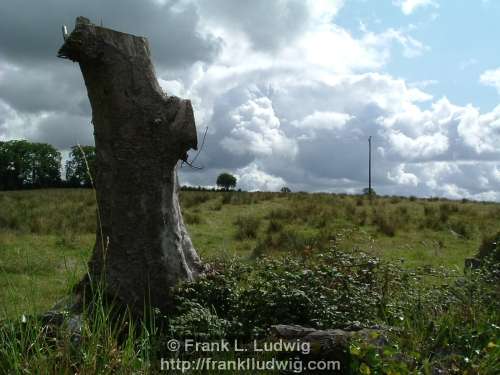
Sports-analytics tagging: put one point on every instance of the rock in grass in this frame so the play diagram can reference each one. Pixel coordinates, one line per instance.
(329, 344)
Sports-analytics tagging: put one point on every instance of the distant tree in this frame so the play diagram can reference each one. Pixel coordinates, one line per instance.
(226, 181)
(366, 191)
(14, 164)
(285, 189)
(45, 166)
(25, 164)
(80, 168)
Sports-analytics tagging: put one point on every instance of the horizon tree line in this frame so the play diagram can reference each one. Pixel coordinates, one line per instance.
(30, 165)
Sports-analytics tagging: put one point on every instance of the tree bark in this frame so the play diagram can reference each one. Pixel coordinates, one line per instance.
(142, 247)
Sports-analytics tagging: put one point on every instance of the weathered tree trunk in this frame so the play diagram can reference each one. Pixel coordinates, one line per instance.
(142, 247)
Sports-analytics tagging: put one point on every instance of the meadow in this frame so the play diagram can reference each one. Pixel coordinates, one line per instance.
(46, 237)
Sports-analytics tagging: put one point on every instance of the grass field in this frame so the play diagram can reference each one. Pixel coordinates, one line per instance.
(46, 236)
(319, 260)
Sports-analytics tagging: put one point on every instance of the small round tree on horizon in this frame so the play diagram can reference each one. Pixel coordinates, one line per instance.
(226, 181)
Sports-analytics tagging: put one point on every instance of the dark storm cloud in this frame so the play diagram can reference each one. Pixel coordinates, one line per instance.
(33, 81)
(47, 87)
(62, 131)
(30, 31)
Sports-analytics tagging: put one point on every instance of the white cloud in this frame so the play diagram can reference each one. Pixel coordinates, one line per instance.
(491, 78)
(291, 102)
(423, 84)
(172, 87)
(423, 146)
(480, 132)
(252, 178)
(328, 117)
(57, 128)
(324, 120)
(409, 6)
(256, 130)
(411, 47)
(400, 176)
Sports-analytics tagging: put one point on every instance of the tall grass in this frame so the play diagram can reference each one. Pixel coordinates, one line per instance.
(247, 227)
(46, 236)
(105, 341)
(51, 212)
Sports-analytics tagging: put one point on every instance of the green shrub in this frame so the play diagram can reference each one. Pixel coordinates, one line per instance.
(191, 218)
(216, 205)
(402, 215)
(197, 322)
(247, 227)
(194, 198)
(243, 198)
(274, 226)
(462, 228)
(385, 223)
(227, 197)
(295, 240)
(329, 289)
(490, 248)
(361, 217)
(321, 219)
(350, 211)
(261, 196)
(280, 214)
(262, 248)
(433, 219)
(449, 208)
(395, 200)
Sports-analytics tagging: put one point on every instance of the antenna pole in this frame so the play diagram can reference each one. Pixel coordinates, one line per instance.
(370, 166)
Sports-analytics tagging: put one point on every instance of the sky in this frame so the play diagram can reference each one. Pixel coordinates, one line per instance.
(288, 90)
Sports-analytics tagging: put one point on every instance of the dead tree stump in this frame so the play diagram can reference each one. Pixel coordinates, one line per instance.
(142, 246)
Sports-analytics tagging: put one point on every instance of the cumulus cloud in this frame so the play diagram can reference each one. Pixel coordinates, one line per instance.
(290, 102)
(423, 146)
(273, 17)
(400, 176)
(460, 180)
(480, 132)
(491, 78)
(321, 121)
(252, 178)
(330, 120)
(409, 6)
(255, 130)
